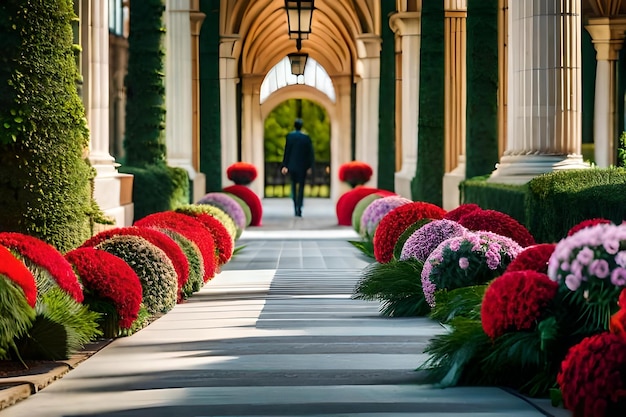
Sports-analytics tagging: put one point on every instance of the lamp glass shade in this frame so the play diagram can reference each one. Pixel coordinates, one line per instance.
(298, 62)
(299, 16)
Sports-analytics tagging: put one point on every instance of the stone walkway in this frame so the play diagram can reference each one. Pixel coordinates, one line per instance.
(274, 334)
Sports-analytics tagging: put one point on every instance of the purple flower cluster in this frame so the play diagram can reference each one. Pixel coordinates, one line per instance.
(425, 239)
(374, 213)
(470, 259)
(228, 204)
(591, 260)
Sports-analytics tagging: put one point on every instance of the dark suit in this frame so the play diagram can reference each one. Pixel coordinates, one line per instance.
(298, 159)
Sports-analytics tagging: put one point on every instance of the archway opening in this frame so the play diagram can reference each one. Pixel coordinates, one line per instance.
(277, 124)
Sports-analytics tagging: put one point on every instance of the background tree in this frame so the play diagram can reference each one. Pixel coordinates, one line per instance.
(45, 188)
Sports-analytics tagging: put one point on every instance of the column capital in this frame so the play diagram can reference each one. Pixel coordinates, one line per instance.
(251, 83)
(230, 46)
(177, 5)
(607, 36)
(196, 18)
(455, 6)
(368, 45)
(406, 23)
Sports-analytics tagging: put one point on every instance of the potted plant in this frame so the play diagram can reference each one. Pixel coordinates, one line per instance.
(355, 173)
(241, 173)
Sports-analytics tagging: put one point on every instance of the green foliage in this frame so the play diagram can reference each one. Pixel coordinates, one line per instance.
(155, 271)
(280, 122)
(46, 340)
(397, 285)
(44, 178)
(145, 109)
(143, 319)
(365, 246)
(464, 301)
(157, 188)
(559, 200)
(621, 150)
(397, 249)
(195, 280)
(359, 208)
(507, 198)
(244, 206)
(16, 316)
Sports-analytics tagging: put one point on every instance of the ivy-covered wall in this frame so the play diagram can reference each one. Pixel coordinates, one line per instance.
(387, 102)
(45, 187)
(210, 132)
(428, 182)
(482, 87)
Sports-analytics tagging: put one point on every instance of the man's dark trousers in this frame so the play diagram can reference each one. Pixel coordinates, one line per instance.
(297, 190)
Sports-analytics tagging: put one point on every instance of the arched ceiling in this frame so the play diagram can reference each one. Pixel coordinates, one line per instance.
(603, 8)
(262, 28)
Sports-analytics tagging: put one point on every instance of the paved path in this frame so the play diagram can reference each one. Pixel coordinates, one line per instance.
(274, 334)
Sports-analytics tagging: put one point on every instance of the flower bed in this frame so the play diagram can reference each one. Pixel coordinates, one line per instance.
(347, 203)
(241, 173)
(375, 212)
(251, 199)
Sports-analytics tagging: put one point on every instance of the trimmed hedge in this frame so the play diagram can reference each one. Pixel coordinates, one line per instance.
(507, 198)
(45, 188)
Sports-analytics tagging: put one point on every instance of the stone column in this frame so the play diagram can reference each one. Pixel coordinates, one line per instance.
(196, 19)
(368, 90)
(340, 135)
(407, 26)
(252, 130)
(112, 190)
(230, 48)
(179, 94)
(545, 90)
(455, 100)
(608, 37)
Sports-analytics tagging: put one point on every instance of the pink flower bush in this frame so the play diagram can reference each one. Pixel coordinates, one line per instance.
(395, 223)
(471, 259)
(425, 239)
(497, 222)
(375, 212)
(251, 199)
(533, 258)
(16, 271)
(227, 204)
(190, 229)
(516, 301)
(107, 277)
(348, 201)
(47, 257)
(587, 223)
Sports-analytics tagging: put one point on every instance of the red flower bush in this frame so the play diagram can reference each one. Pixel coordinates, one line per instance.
(461, 211)
(497, 222)
(190, 229)
(47, 257)
(533, 258)
(224, 244)
(516, 301)
(348, 201)
(16, 271)
(355, 173)
(157, 238)
(241, 173)
(107, 277)
(593, 377)
(394, 223)
(251, 199)
(587, 223)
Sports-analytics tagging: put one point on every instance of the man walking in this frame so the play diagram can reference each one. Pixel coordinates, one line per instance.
(298, 161)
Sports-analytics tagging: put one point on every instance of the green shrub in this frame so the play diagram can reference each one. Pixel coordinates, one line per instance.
(360, 208)
(194, 258)
(218, 213)
(45, 188)
(16, 316)
(507, 198)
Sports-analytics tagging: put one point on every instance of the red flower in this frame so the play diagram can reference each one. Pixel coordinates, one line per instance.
(497, 222)
(189, 228)
(251, 199)
(48, 257)
(223, 240)
(533, 258)
(587, 223)
(461, 211)
(593, 376)
(394, 223)
(516, 301)
(241, 173)
(108, 277)
(16, 271)
(355, 173)
(348, 201)
(159, 239)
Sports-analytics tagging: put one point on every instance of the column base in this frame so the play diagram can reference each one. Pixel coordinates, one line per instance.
(122, 216)
(198, 187)
(451, 181)
(520, 169)
(402, 183)
(113, 191)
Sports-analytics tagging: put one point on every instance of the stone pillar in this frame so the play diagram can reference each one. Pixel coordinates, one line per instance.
(368, 89)
(179, 94)
(340, 135)
(196, 19)
(608, 37)
(545, 90)
(112, 190)
(407, 26)
(455, 100)
(230, 48)
(252, 130)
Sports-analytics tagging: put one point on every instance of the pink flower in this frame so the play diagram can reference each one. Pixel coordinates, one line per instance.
(599, 268)
(463, 263)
